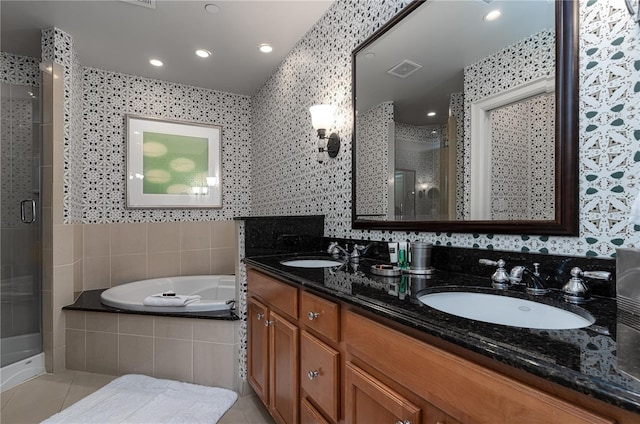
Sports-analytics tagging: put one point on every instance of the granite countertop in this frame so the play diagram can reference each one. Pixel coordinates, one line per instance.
(89, 301)
(584, 359)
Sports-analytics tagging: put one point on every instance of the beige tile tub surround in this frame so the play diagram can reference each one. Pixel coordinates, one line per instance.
(62, 248)
(197, 351)
(120, 253)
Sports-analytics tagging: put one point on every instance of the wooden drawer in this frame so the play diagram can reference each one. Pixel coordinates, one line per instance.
(276, 293)
(319, 369)
(309, 415)
(320, 315)
(466, 391)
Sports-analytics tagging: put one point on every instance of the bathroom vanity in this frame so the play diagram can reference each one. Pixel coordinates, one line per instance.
(333, 345)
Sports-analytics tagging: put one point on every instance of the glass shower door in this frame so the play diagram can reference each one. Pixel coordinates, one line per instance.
(20, 230)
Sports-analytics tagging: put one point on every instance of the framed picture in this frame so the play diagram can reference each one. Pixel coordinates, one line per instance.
(173, 164)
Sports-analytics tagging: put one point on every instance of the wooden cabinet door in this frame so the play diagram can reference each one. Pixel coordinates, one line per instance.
(368, 400)
(283, 359)
(319, 366)
(258, 348)
(309, 415)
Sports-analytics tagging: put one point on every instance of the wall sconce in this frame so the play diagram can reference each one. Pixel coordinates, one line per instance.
(322, 117)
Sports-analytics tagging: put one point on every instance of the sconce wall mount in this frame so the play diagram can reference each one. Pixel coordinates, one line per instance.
(332, 143)
(322, 117)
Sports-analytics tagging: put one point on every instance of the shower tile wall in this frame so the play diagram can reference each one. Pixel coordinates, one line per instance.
(287, 180)
(417, 149)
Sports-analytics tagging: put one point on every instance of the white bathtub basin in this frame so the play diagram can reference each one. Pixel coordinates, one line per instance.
(506, 310)
(215, 290)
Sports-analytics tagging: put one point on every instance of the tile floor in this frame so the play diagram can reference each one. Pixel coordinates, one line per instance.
(38, 399)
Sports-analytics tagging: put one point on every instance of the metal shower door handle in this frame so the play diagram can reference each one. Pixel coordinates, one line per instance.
(23, 213)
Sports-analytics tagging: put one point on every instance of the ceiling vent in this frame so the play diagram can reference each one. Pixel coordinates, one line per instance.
(151, 4)
(404, 69)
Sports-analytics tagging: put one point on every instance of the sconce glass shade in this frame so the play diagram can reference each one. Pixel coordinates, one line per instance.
(322, 116)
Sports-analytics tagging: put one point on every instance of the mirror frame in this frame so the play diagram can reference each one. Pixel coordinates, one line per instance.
(566, 220)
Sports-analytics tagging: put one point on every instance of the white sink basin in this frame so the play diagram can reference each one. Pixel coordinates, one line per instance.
(311, 263)
(505, 310)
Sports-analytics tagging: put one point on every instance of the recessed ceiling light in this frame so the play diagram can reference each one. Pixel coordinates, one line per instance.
(211, 8)
(203, 53)
(493, 15)
(431, 114)
(370, 55)
(156, 62)
(265, 48)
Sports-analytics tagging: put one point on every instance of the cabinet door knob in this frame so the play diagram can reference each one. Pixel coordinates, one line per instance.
(312, 315)
(260, 316)
(312, 374)
(268, 323)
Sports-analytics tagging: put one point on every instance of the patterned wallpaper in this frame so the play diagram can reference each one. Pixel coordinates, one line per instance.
(372, 149)
(95, 105)
(522, 62)
(16, 69)
(522, 148)
(108, 96)
(57, 46)
(286, 179)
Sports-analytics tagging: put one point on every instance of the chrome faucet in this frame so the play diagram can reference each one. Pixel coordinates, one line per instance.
(335, 249)
(534, 284)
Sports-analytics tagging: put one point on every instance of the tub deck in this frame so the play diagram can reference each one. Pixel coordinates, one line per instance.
(90, 301)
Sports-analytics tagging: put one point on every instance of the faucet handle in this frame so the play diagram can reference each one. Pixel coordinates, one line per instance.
(489, 262)
(597, 275)
(576, 290)
(500, 278)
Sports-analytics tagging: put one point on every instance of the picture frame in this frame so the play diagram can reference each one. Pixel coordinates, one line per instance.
(173, 164)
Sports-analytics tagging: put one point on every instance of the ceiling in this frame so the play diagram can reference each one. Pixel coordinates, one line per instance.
(120, 36)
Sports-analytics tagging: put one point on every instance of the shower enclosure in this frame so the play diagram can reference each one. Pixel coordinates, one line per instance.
(20, 234)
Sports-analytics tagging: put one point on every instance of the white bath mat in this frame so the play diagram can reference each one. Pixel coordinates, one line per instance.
(141, 399)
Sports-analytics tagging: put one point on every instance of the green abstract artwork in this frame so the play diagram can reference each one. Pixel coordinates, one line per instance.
(174, 164)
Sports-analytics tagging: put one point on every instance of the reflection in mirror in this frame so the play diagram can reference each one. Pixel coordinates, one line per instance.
(455, 116)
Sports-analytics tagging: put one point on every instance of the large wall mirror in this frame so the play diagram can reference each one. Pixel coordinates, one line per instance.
(464, 122)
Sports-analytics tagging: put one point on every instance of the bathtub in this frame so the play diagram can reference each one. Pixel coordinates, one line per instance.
(217, 292)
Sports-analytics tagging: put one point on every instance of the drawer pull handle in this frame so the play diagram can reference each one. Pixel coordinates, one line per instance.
(407, 422)
(312, 375)
(268, 323)
(260, 316)
(312, 315)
